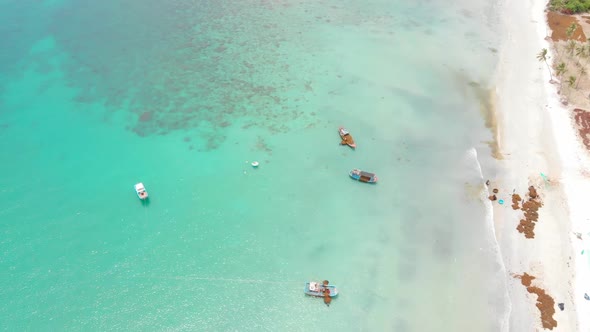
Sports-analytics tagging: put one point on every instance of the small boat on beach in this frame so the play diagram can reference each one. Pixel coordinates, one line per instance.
(346, 138)
(363, 176)
(140, 191)
(318, 289)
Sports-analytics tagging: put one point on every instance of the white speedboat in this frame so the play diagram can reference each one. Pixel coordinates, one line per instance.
(141, 192)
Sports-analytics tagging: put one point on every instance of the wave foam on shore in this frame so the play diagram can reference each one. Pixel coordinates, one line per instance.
(504, 318)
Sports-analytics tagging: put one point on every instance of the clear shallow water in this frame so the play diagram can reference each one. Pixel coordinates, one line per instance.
(98, 96)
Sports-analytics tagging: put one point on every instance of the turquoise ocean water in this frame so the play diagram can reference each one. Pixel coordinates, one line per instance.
(182, 95)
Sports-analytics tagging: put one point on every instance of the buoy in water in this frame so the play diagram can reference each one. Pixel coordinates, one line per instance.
(255, 164)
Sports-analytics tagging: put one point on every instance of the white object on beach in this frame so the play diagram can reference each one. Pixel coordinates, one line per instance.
(255, 164)
(140, 190)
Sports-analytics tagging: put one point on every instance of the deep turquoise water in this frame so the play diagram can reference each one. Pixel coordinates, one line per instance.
(182, 95)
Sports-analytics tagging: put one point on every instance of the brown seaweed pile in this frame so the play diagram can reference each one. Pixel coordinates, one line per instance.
(582, 118)
(531, 213)
(545, 303)
(515, 201)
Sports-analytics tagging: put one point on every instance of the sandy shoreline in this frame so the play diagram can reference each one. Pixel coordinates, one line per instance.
(539, 148)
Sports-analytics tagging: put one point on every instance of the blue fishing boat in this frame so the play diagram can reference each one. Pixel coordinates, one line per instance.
(363, 176)
(313, 288)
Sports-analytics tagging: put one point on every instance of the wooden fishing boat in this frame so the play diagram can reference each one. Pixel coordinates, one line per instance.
(346, 138)
(313, 288)
(363, 176)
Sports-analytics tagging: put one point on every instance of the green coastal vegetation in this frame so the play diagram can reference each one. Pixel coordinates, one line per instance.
(570, 6)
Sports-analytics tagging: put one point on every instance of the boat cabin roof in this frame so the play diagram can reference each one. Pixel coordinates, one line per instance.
(367, 174)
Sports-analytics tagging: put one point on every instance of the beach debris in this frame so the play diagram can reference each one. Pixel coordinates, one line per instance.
(487, 182)
(501, 201)
(561, 306)
(531, 214)
(515, 201)
(586, 296)
(495, 191)
(546, 179)
(545, 303)
(493, 198)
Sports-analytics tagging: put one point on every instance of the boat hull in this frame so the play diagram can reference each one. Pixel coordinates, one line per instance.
(332, 288)
(363, 176)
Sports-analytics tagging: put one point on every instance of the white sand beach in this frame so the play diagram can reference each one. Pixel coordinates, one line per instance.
(540, 148)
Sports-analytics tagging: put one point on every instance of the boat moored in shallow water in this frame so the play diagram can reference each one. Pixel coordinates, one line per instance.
(314, 288)
(363, 176)
(346, 138)
(140, 191)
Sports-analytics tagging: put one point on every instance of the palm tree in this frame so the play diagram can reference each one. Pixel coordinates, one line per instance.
(580, 53)
(571, 29)
(570, 47)
(560, 69)
(571, 81)
(582, 73)
(542, 56)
